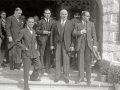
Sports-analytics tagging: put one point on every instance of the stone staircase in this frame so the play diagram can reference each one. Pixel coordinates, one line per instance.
(13, 80)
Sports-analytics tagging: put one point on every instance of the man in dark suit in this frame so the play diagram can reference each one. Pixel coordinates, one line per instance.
(62, 43)
(36, 19)
(44, 30)
(13, 27)
(29, 52)
(3, 41)
(86, 42)
(76, 18)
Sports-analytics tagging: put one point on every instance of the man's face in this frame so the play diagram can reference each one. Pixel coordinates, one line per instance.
(18, 14)
(87, 17)
(47, 14)
(3, 15)
(64, 15)
(30, 23)
(36, 18)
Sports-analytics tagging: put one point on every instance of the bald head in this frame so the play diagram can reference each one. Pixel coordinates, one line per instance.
(85, 16)
(63, 14)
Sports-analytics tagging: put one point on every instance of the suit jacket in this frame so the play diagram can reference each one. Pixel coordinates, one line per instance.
(41, 27)
(90, 35)
(67, 36)
(1, 28)
(13, 28)
(75, 20)
(28, 41)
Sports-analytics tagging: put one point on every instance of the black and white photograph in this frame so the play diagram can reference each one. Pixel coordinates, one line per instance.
(59, 44)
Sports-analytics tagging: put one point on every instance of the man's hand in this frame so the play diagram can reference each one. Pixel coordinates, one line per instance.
(52, 48)
(10, 39)
(83, 31)
(35, 45)
(26, 49)
(95, 47)
(2, 37)
(46, 32)
(71, 48)
(74, 32)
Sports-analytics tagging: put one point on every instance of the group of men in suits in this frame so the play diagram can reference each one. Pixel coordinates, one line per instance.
(50, 36)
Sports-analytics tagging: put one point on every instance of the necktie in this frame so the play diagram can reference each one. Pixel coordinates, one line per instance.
(31, 31)
(85, 23)
(47, 20)
(62, 23)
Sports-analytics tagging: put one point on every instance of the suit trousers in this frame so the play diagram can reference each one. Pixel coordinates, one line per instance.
(48, 56)
(1, 57)
(62, 58)
(42, 52)
(15, 57)
(35, 74)
(84, 60)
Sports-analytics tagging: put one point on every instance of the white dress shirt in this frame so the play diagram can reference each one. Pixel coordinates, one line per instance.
(84, 23)
(47, 19)
(30, 30)
(63, 22)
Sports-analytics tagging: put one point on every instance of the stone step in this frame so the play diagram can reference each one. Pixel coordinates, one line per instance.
(33, 87)
(15, 78)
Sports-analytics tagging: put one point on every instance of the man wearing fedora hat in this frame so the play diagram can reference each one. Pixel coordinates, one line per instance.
(76, 18)
(85, 44)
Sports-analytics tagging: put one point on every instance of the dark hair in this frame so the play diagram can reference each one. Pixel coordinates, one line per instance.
(18, 9)
(2, 12)
(47, 9)
(30, 18)
(84, 12)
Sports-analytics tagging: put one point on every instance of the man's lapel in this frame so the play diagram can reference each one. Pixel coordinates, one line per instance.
(59, 25)
(15, 19)
(28, 32)
(66, 25)
(44, 24)
(50, 22)
(87, 25)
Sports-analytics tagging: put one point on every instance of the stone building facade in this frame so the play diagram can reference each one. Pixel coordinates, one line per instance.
(110, 42)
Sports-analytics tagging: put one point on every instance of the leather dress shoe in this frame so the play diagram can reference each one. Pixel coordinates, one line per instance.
(78, 81)
(3, 65)
(66, 80)
(36, 79)
(11, 68)
(88, 82)
(56, 79)
(47, 71)
(42, 71)
(26, 89)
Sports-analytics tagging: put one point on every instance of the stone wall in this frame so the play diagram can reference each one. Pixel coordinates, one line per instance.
(111, 45)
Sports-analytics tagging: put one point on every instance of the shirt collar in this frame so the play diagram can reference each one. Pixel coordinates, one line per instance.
(63, 21)
(3, 19)
(29, 28)
(84, 23)
(46, 19)
(15, 17)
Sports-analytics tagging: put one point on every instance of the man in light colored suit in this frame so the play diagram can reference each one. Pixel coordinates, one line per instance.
(86, 42)
(13, 27)
(30, 54)
(62, 42)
